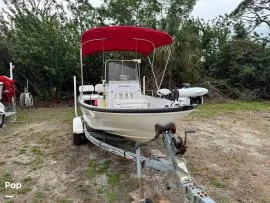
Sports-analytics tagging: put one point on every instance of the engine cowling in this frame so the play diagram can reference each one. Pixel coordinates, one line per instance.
(184, 96)
(191, 95)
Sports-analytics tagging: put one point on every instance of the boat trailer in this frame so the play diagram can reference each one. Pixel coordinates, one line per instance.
(173, 162)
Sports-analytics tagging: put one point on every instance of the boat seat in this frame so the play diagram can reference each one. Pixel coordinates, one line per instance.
(99, 88)
(86, 88)
(89, 93)
(91, 97)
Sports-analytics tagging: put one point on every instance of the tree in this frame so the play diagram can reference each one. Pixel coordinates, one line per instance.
(39, 44)
(254, 12)
(242, 68)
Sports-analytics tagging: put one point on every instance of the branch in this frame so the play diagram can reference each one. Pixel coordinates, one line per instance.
(262, 20)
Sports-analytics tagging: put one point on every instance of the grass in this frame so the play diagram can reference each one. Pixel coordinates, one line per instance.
(9, 201)
(36, 163)
(265, 199)
(95, 168)
(218, 184)
(111, 196)
(91, 168)
(63, 201)
(37, 151)
(100, 190)
(45, 114)
(113, 178)
(212, 109)
(6, 177)
(2, 163)
(224, 199)
(24, 190)
(38, 197)
(22, 151)
(21, 163)
(27, 179)
(26, 185)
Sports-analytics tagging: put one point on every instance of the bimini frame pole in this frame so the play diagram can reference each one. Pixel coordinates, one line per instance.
(75, 96)
(81, 59)
(11, 70)
(161, 80)
(144, 84)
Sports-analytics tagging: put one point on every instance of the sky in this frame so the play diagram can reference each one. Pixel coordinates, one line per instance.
(209, 9)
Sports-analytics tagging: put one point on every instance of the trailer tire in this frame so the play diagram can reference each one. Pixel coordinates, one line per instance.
(77, 139)
(2, 119)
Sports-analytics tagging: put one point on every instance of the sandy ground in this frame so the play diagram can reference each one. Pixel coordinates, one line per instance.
(229, 155)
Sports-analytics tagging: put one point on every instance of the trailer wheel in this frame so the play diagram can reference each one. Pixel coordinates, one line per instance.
(2, 119)
(77, 139)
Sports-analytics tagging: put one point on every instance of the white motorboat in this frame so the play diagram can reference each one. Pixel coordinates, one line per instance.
(118, 104)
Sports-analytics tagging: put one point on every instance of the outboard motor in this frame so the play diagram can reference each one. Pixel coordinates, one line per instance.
(191, 95)
(185, 96)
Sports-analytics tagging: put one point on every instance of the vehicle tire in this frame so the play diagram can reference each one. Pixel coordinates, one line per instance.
(77, 139)
(2, 119)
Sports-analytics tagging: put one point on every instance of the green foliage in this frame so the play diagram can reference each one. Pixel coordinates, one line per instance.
(39, 43)
(254, 12)
(243, 66)
(44, 40)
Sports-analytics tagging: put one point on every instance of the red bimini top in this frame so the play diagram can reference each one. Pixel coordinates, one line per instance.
(123, 38)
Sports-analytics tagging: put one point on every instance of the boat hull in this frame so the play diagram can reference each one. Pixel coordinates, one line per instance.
(139, 127)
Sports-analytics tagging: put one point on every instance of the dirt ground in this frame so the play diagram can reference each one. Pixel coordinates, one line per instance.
(229, 155)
